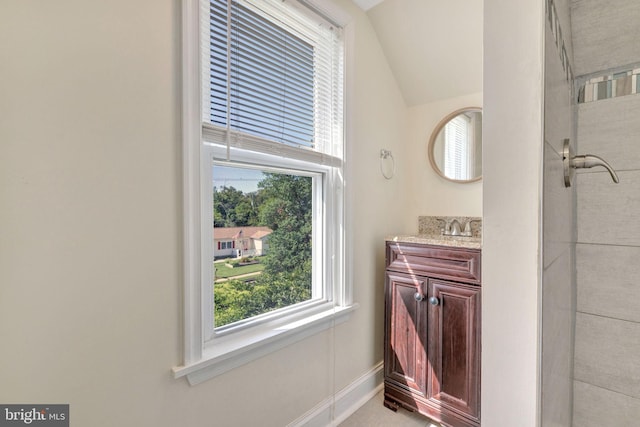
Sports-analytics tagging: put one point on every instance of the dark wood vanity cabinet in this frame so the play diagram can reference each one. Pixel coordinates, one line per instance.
(432, 332)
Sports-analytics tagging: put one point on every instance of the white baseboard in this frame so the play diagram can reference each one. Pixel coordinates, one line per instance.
(335, 409)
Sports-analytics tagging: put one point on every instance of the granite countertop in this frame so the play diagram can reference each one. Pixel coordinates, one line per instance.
(430, 232)
(439, 240)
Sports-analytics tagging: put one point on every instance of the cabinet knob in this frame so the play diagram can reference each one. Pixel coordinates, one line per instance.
(418, 296)
(434, 301)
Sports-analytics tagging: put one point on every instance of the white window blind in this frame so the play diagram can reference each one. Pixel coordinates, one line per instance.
(274, 80)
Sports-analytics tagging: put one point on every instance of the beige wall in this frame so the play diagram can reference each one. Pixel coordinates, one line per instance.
(429, 193)
(512, 180)
(90, 253)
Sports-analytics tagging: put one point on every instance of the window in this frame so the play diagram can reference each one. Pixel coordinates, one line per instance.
(274, 204)
(456, 150)
(264, 159)
(462, 152)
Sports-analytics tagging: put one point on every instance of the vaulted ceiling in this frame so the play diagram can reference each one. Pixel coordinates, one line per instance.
(434, 47)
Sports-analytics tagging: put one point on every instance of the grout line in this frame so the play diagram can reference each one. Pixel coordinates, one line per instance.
(553, 149)
(587, 172)
(562, 254)
(607, 317)
(605, 388)
(607, 244)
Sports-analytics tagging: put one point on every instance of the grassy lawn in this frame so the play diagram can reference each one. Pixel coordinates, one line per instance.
(223, 272)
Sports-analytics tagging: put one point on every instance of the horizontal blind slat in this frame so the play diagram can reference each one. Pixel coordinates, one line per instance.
(272, 81)
(296, 120)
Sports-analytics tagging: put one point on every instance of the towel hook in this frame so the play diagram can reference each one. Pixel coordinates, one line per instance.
(386, 154)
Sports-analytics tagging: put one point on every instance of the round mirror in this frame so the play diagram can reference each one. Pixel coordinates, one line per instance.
(455, 147)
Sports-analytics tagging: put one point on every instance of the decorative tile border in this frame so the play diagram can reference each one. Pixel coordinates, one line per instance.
(611, 85)
(554, 21)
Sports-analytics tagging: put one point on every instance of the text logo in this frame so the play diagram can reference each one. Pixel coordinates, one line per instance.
(34, 415)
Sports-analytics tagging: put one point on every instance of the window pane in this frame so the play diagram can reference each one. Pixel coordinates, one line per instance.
(266, 220)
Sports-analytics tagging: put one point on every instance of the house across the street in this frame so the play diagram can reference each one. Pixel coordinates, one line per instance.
(237, 242)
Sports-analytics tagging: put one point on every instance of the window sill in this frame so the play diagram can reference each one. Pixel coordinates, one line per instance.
(217, 359)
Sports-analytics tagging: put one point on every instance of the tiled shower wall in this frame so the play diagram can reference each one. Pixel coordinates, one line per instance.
(607, 356)
(607, 342)
(558, 278)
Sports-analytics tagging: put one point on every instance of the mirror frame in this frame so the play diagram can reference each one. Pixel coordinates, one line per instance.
(432, 140)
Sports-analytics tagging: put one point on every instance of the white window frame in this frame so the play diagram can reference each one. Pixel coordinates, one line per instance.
(209, 352)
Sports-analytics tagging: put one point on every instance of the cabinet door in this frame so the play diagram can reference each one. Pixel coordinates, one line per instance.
(406, 332)
(454, 347)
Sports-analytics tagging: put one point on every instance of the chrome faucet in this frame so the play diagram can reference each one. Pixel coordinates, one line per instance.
(589, 161)
(586, 161)
(452, 228)
(456, 229)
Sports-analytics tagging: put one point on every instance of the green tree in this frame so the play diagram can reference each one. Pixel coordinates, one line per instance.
(246, 211)
(225, 201)
(237, 300)
(231, 302)
(287, 210)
